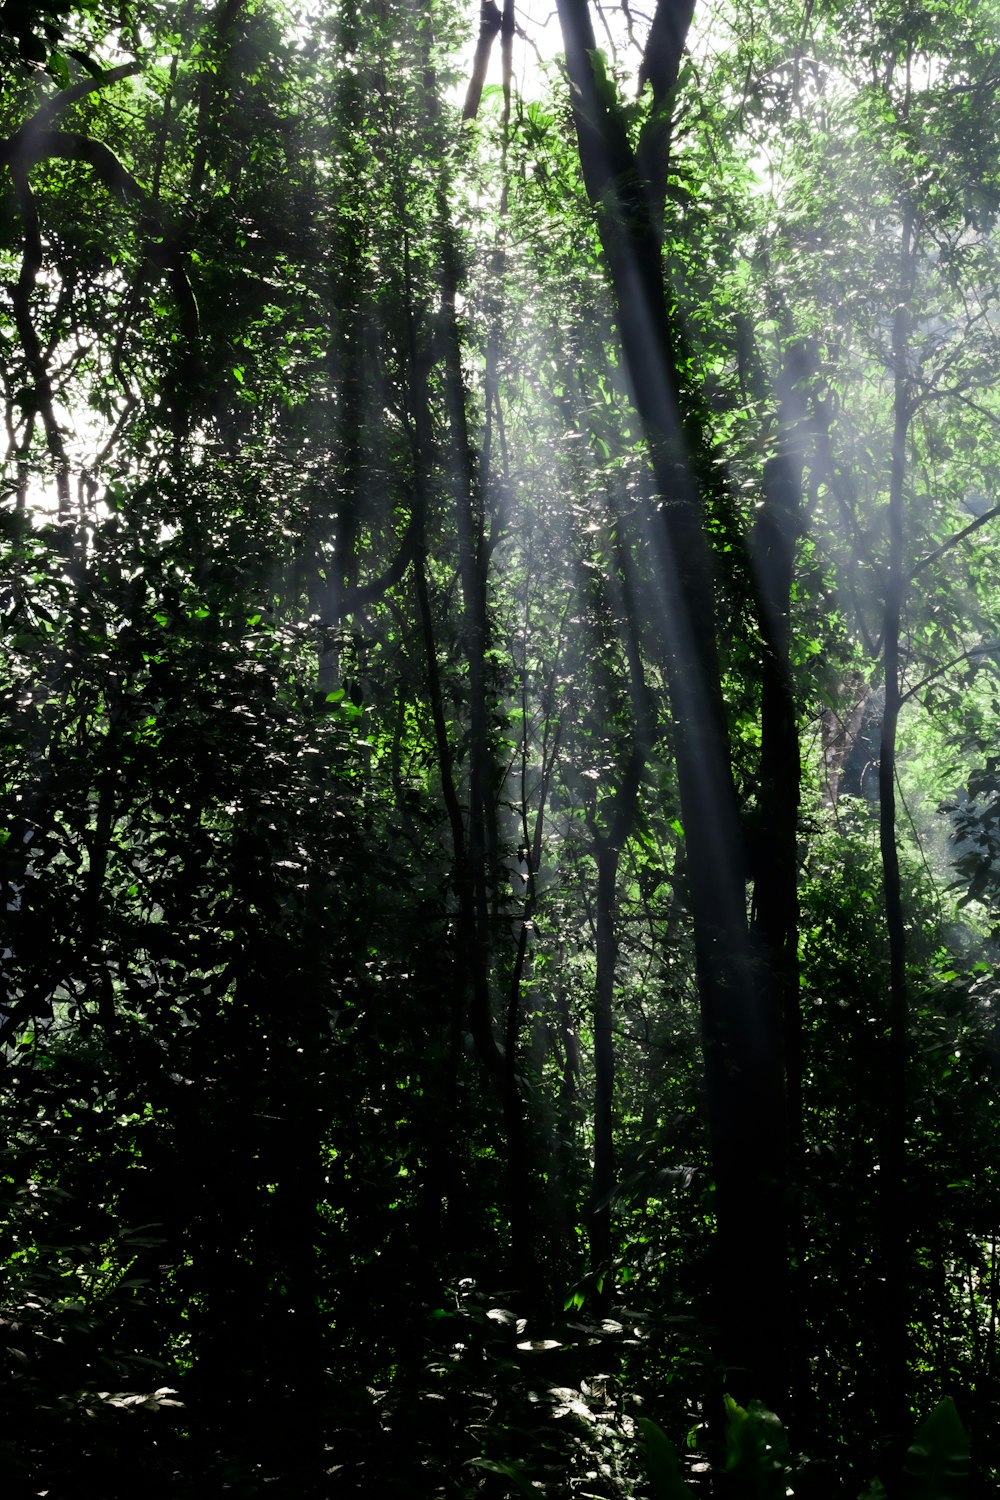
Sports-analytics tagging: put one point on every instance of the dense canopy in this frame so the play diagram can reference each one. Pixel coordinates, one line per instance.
(499, 770)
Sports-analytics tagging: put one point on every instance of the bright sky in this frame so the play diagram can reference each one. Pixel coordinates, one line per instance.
(542, 40)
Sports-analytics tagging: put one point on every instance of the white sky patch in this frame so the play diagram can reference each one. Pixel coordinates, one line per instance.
(620, 30)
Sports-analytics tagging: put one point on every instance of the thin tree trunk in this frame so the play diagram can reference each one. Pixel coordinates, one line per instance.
(775, 907)
(43, 401)
(337, 521)
(481, 846)
(469, 854)
(891, 1354)
(603, 1181)
(489, 25)
(609, 847)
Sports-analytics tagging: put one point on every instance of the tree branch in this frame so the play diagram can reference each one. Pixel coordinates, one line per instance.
(77, 91)
(26, 148)
(985, 648)
(29, 146)
(953, 541)
(370, 593)
(30, 342)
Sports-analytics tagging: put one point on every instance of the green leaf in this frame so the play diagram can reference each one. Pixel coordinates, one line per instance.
(937, 1464)
(607, 89)
(509, 1471)
(59, 68)
(756, 1449)
(86, 61)
(660, 1458)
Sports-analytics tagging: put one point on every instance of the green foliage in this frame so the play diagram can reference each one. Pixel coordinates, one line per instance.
(333, 664)
(660, 1458)
(42, 35)
(756, 1450)
(937, 1462)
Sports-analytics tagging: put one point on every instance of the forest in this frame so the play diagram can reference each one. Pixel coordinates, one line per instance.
(499, 755)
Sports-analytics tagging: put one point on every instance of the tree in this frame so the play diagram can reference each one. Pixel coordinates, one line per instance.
(741, 1032)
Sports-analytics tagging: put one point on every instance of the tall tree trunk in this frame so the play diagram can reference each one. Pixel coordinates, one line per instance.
(741, 1029)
